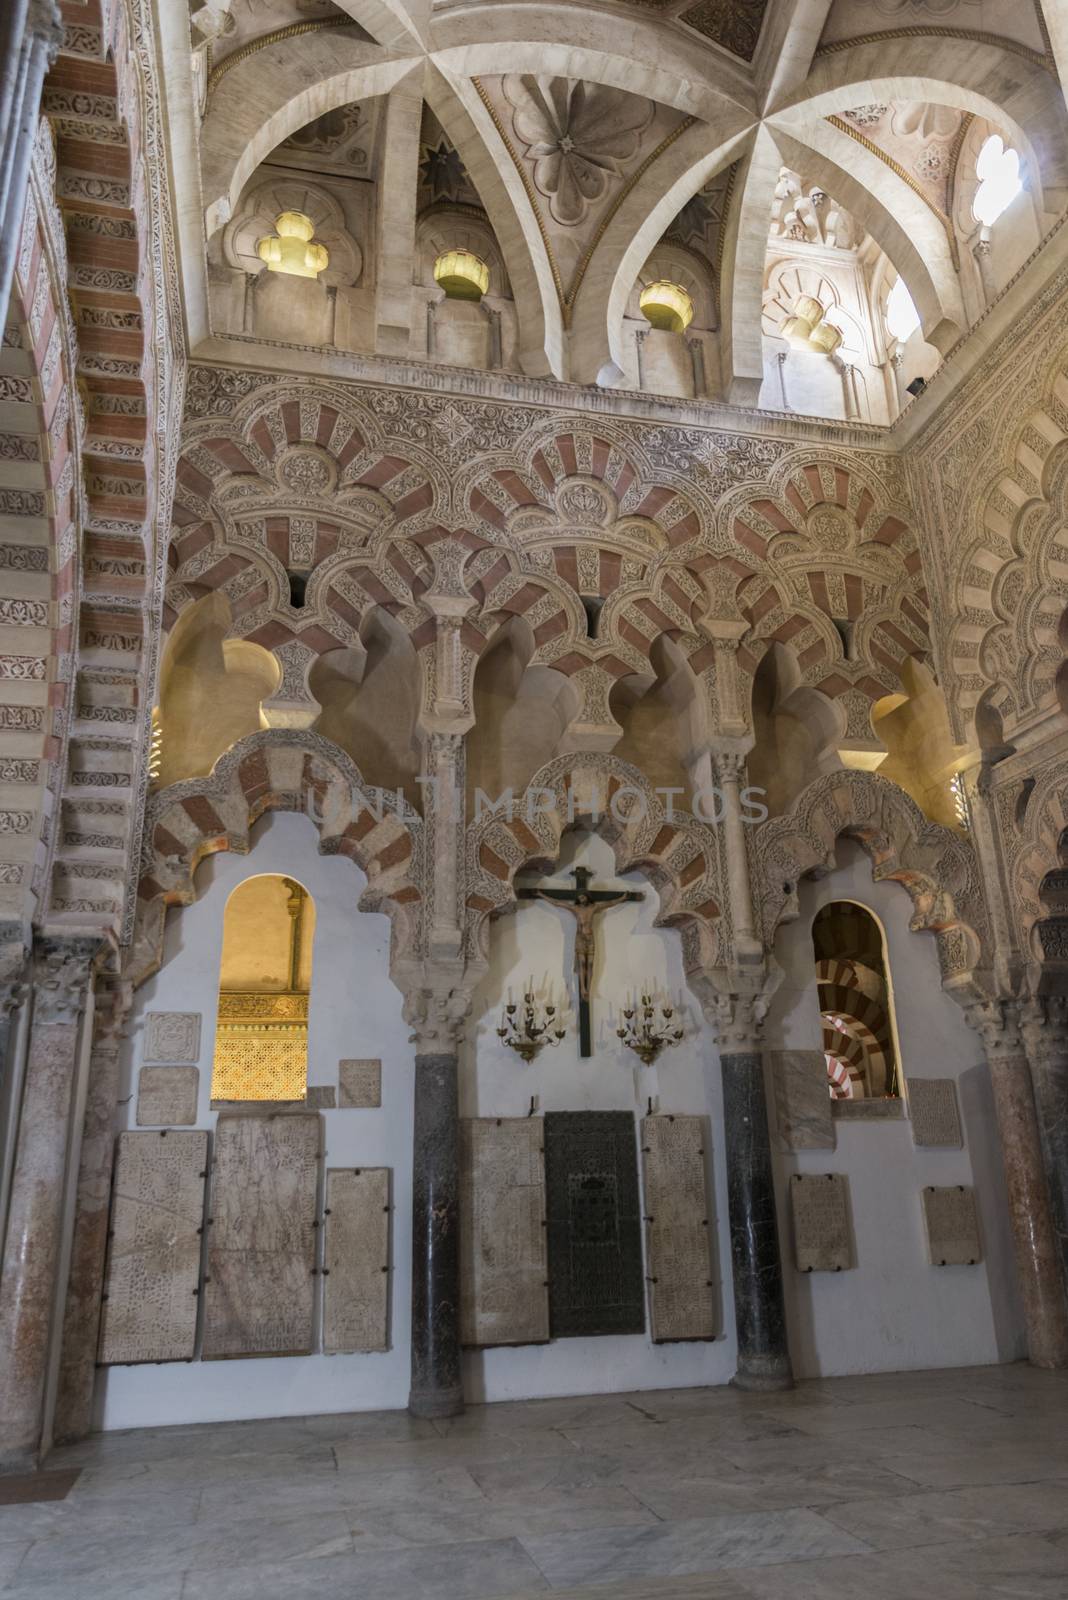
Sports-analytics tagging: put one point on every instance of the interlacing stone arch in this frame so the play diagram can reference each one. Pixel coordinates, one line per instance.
(279, 770)
(678, 855)
(1011, 587)
(938, 868)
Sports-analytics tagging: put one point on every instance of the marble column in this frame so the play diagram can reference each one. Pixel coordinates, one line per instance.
(756, 1259)
(33, 1241)
(1037, 1256)
(81, 1316)
(30, 36)
(1044, 1027)
(437, 1381)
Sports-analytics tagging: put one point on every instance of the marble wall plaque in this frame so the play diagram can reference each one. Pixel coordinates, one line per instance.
(157, 1209)
(823, 1238)
(504, 1295)
(595, 1245)
(802, 1099)
(172, 1037)
(321, 1097)
(356, 1257)
(677, 1228)
(359, 1084)
(167, 1096)
(952, 1226)
(933, 1109)
(261, 1242)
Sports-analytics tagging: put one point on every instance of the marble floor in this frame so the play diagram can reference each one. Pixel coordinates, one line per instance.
(944, 1485)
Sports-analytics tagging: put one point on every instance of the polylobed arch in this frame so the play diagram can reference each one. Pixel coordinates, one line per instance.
(609, 797)
(279, 770)
(937, 868)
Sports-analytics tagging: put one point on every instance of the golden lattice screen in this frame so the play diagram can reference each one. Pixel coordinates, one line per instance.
(261, 1036)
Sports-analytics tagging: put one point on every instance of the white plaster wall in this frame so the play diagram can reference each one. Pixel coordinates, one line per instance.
(538, 942)
(893, 1311)
(355, 1011)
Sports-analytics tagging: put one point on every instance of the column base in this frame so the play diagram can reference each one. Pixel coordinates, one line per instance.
(433, 1403)
(763, 1379)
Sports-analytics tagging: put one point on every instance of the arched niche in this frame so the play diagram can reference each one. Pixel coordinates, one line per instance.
(921, 756)
(796, 730)
(370, 699)
(211, 690)
(855, 997)
(265, 972)
(521, 712)
(682, 364)
(463, 333)
(659, 720)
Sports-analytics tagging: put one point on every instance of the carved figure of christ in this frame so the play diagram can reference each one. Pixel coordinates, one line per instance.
(584, 904)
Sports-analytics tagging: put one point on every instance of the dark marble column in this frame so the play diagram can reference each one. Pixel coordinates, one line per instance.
(1044, 1027)
(33, 1240)
(437, 1385)
(756, 1261)
(1037, 1256)
(81, 1316)
(30, 35)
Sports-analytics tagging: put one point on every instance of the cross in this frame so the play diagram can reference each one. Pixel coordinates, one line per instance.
(584, 904)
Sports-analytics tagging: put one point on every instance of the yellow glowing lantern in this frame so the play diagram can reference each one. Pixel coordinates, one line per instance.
(291, 250)
(462, 274)
(667, 306)
(807, 329)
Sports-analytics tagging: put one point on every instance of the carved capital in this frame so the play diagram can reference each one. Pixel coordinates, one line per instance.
(111, 1013)
(738, 1020)
(729, 766)
(1044, 1026)
(998, 1024)
(62, 972)
(436, 1018)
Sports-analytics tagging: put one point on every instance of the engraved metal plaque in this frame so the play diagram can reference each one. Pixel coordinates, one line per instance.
(356, 1256)
(149, 1311)
(595, 1247)
(952, 1226)
(261, 1241)
(823, 1238)
(802, 1099)
(503, 1277)
(677, 1228)
(172, 1037)
(933, 1109)
(359, 1084)
(167, 1096)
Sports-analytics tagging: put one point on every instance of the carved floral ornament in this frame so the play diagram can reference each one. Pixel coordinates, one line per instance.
(576, 135)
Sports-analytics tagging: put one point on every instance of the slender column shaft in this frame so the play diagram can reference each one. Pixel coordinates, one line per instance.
(756, 1261)
(1037, 1256)
(1045, 1035)
(437, 1387)
(81, 1317)
(28, 43)
(33, 1243)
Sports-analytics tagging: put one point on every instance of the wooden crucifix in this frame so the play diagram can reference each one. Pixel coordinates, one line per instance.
(584, 904)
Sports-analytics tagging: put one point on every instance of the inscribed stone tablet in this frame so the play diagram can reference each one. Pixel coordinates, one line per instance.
(595, 1243)
(823, 1241)
(172, 1037)
(149, 1311)
(933, 1108)
(952, 1226)
(167, 1096)
(360, 1084)
(677, 1229)
(321, 1097)
(356, 1296)
(261, 1243)
(802, 1099)
(503, 1292)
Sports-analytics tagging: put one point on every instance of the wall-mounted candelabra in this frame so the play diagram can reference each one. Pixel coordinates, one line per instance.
(650, 1024)
(529, 1024)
